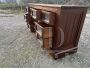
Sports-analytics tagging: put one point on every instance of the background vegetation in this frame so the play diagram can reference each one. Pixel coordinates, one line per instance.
(20, 4)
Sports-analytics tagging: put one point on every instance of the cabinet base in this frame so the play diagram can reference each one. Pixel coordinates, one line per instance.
(62, 53)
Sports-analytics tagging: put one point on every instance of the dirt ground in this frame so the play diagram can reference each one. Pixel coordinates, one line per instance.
(20, 49)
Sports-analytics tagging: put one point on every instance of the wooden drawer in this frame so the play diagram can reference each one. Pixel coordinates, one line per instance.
(27, 17)
(36, 14)
(45, 42)
(48, 17)
(27, 9)
(43, 30)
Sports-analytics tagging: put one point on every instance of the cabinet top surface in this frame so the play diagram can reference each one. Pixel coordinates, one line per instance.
(55, 5)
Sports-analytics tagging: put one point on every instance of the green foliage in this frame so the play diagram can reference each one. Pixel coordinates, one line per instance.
(24, 2)
(6, 5)
(53, 1)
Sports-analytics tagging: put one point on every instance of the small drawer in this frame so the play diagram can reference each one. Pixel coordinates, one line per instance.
(48, 17)
(45, 42)
(36, 14)
(27, 10)
(27, 17)
(43, 30)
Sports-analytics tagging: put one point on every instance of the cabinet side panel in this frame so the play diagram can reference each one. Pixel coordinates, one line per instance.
(68, 28)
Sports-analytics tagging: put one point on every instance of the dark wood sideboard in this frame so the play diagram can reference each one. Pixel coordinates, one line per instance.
(57, 27)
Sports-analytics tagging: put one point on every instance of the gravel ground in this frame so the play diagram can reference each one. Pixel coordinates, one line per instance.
(20, 49)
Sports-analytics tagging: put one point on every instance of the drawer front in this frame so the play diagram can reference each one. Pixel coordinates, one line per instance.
(43, 31)
(48, 17)
(27, 17)
(34, 13)
(27, 10)
(45, 42)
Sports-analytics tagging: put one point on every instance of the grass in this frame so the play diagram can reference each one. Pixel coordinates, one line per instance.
(18, 11)
(5, 5)
(10, 8)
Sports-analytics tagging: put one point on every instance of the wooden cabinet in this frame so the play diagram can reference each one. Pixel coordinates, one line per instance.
(58, 27)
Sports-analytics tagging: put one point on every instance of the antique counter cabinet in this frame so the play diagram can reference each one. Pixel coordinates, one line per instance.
(57, 27)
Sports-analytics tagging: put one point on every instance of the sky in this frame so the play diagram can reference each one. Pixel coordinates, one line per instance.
(3, 0)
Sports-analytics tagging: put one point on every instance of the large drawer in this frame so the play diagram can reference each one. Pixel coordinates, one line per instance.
(48, 17)
(45, 42)
(44, 30)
